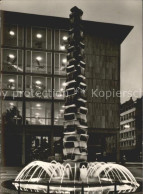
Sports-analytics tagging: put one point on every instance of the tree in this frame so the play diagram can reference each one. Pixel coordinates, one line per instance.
(11, 136)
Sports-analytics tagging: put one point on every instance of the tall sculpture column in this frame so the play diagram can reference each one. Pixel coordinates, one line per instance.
(75, 125)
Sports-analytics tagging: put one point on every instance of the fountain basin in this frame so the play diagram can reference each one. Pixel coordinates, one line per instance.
(68, 188)
(96, 177)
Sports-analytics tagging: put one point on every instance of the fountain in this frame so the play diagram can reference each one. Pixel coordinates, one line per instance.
(97, 177)
(75, 175)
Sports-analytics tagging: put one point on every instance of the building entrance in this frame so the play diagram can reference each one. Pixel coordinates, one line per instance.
(40, 149)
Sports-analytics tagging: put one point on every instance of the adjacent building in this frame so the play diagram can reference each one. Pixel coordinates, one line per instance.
(131, 118)
(33, 75)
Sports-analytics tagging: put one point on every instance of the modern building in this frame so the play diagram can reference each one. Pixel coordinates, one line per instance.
(33, 75)
(131, 118)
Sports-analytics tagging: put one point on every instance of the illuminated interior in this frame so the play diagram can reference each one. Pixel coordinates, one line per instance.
(34, 74)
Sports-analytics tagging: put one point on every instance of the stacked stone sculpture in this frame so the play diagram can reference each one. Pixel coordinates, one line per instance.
(75, 125)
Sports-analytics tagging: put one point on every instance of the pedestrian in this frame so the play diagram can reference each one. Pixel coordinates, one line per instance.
(123, 161)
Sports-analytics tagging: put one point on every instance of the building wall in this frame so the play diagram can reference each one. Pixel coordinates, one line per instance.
(127, 132)
(103, 75)
(131, 129)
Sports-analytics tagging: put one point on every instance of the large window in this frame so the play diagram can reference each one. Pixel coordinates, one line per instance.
(12, 85)
(12, 112)
(12, 60)
(38, 62)
(38, 113)
(58, 142)
(13, 35)
(39, 87)
(39, 38)
(59, 88)
(61, 38)
(59, 113)
(60, 64)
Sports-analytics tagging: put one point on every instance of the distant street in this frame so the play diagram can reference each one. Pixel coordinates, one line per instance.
(136, 169)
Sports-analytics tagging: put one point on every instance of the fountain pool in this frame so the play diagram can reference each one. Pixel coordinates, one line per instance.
(96, 177)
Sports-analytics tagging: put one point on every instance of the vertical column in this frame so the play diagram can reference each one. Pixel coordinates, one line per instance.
(51, 138)
(75, 125)
(1, 97)
(23, 101)
(118, 146)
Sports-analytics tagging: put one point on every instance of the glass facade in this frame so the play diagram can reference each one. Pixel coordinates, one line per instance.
(33, 79)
